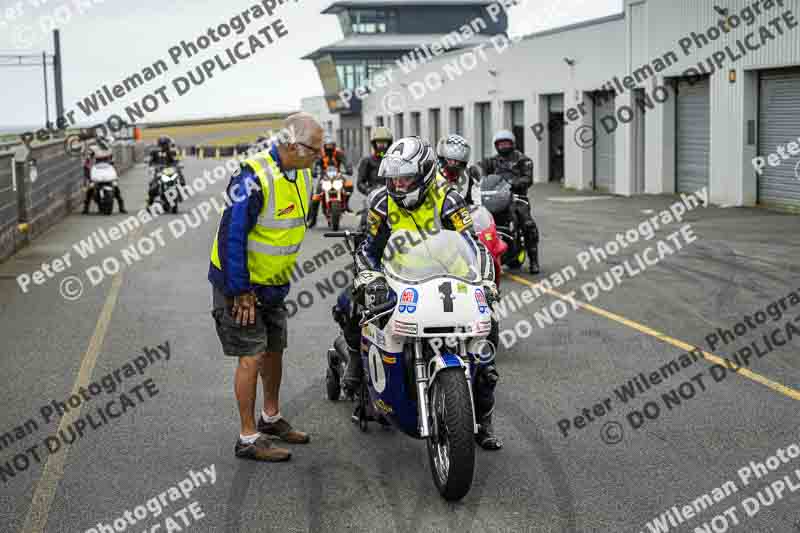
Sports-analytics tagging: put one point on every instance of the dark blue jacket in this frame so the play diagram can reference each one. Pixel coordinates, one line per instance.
(237, 221)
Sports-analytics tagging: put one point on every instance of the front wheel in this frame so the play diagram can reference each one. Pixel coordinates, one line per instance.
(336, 216)
(451, 446)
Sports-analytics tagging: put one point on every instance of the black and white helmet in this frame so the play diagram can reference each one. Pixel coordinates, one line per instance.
(504, 136)
(453, 147)
(409, 167)
(453, 152)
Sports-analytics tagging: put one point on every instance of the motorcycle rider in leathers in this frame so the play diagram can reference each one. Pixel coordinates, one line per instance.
(411, 198)
(453, 154)
(330, 155)
(511, 161)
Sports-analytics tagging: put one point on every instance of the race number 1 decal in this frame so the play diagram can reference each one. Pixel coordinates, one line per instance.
(376, 372)
(446, 290)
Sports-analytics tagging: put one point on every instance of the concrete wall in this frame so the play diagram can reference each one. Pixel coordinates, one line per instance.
(40, 189)
(617, 46)
(529, 71)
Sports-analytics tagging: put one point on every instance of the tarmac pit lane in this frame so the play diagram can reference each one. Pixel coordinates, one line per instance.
(581, 421)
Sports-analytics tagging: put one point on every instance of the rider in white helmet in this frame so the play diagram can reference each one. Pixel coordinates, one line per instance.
(412, 198)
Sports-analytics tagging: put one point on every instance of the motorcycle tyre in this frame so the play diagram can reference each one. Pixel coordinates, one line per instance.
(461, 438)
(336, 216)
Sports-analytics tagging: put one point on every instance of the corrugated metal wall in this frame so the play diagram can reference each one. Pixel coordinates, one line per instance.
(779, 124)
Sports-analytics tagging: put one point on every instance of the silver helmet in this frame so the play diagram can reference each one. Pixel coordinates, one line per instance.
(504, 135)
(409, 167)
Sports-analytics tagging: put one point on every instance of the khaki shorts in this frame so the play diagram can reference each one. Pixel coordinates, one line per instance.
(268, 334)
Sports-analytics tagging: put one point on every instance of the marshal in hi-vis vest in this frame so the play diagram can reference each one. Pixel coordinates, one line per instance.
(274, 242)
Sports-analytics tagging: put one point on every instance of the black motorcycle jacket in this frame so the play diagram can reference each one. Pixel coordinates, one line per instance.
(517, 164)
(368, 179)
(161, 157)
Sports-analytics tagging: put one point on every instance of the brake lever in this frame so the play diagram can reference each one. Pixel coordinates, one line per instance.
(364, 322)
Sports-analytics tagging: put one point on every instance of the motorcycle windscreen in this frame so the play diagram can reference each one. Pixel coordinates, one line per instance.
(495, 193)
(482, 219)
(413, 257)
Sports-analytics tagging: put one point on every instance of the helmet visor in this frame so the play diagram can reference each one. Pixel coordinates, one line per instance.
(504, 145)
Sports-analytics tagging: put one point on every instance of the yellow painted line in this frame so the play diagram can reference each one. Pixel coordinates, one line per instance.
(53, 470)
(758, 378)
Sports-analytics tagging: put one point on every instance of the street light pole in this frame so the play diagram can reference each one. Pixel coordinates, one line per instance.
(46, 97)
(59, 86)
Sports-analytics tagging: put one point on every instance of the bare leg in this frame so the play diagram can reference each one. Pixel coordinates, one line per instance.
(271, 370)
(246, 388)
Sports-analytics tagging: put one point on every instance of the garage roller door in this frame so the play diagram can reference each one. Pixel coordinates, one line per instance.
(779, 124)
(604, 143)
(693, 135)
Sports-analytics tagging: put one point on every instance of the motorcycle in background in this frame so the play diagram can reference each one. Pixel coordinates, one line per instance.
(164, 179)
(335, 190)
(103, 177)
(498, 198)
(486, 230)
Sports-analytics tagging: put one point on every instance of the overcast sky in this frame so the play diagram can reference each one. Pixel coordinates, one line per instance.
(116, 38)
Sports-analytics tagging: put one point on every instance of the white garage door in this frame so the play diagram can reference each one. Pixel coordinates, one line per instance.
(779, 125)
(604, 143)
(693, 135)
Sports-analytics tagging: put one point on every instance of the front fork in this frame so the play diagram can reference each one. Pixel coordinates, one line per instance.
(421, 375)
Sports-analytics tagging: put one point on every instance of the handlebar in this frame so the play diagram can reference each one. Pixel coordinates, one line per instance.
(345, 234)
(381, 308)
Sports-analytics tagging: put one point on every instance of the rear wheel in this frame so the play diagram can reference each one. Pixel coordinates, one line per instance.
(451, 446)
(106, 207)
(332, 385)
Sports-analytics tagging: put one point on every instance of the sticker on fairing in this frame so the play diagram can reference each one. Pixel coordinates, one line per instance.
(480, 298)
(408, 301)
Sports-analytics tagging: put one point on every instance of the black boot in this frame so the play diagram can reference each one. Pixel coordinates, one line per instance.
(533, 258)
(486, 437)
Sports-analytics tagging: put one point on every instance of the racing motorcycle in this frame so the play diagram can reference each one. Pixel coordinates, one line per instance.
(165, 178)
(335, 190)
(485, 228)
(420, 351)
(498, 198)
(103, 177)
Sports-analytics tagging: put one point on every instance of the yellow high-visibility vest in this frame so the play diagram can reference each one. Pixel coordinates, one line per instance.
(274, 242)
(428, 216)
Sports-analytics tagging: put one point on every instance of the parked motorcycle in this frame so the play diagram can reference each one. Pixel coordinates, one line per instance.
(485, 227)
(420, 351)
(165, 178)
(498, 198)
(335, 190)
(103, 177)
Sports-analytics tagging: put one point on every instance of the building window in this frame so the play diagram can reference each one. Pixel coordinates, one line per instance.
(435, 126)
(415, 124)
(367, 20)
(483, 126)
(353, 74)
(398, 126)
(379, 121)
(457, 120)
(515, 121)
